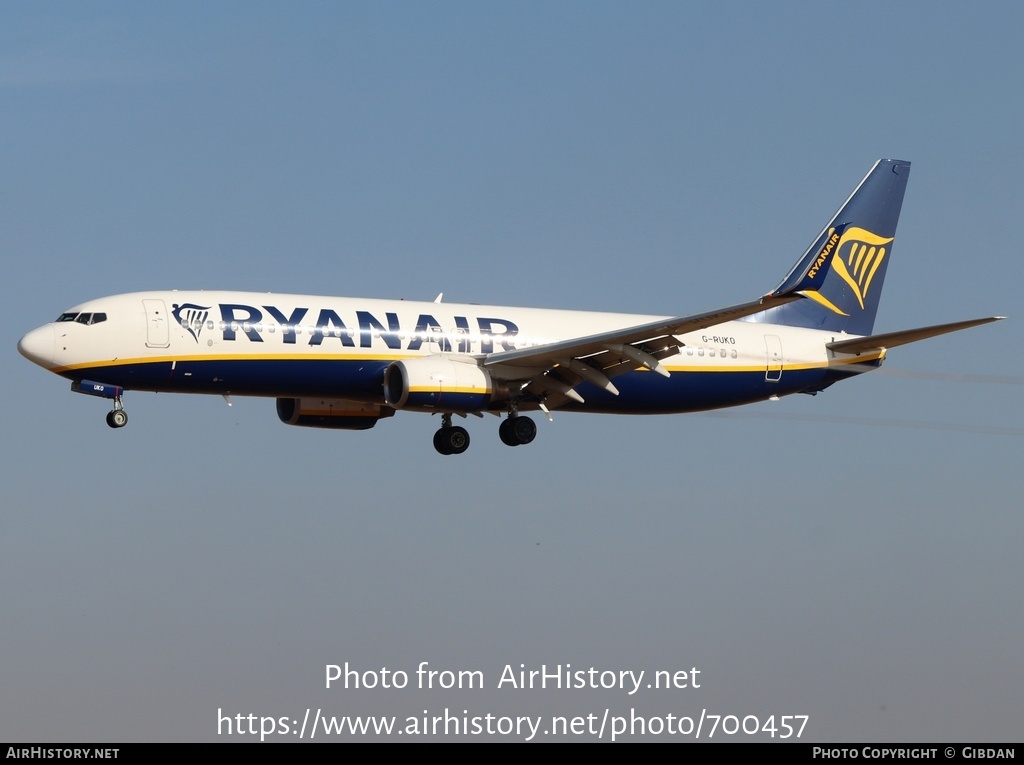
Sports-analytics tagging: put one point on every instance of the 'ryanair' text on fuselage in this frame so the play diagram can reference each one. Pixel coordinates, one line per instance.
(246, 320)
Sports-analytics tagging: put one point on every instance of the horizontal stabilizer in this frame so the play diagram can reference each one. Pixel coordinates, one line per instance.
(893, 339)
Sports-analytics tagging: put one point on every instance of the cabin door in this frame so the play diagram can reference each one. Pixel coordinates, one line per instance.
(158, 330)
(773, 347)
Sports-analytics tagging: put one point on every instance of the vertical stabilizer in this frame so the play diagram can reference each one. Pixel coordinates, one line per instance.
(842, 272)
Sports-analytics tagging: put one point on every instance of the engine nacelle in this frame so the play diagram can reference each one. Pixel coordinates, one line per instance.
(335, 413)
(435, 382)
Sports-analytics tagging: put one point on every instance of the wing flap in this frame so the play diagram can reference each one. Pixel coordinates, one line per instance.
(550, 373)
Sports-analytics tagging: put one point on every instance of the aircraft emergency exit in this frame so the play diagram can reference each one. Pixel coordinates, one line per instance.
(347, 363)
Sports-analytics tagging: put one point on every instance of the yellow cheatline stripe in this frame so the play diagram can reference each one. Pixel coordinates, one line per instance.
(727, 369)
(858, 359)
(785, 367)
(336, 413)
(395, 357)
(261, 357)
(434, 389)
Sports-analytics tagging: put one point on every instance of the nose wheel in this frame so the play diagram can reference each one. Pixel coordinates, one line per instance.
(117, 417)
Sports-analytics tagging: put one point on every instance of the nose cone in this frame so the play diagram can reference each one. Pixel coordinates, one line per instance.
(37, 346)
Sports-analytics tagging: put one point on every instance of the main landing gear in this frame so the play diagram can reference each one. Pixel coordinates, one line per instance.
(513, 431)
(449, 439)
(516, 430)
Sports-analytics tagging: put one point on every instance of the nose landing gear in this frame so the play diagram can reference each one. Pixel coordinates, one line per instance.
(117, 417)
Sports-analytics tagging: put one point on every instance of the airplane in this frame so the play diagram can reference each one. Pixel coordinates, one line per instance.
(347, 363)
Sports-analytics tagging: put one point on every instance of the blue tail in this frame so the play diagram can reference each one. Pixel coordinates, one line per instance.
(841, 273)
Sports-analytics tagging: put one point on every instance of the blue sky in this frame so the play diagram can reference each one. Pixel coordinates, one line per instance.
(853, 556)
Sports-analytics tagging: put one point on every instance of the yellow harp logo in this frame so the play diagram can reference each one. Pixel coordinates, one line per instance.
(856, 256)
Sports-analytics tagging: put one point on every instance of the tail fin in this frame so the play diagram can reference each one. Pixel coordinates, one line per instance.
(842, 271)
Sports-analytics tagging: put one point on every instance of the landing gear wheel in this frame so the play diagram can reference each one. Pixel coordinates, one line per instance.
(439, 442)
(505, 433)
(516, 431)
(117, 418)
(451, 440)
(524, 429)
(457, 440)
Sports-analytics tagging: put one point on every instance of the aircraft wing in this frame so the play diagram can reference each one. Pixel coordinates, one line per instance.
(551, 372)
(893, 339)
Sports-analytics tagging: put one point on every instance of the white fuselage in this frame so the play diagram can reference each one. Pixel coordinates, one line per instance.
(277, 345)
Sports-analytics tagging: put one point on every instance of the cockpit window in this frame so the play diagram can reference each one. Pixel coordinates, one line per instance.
(83, 318)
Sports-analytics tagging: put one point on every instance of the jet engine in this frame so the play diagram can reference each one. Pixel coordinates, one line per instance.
(439, 383)
(335, 413)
